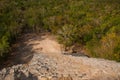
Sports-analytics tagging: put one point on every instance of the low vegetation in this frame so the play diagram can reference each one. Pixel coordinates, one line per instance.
(94, 24)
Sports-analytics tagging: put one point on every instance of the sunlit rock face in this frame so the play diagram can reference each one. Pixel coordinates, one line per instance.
(64, 67)
(33, 63)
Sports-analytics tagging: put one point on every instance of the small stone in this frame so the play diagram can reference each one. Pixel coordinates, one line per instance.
(54, 78)
(11, 71)
(4, 70)
(9, 77)
(44, 78)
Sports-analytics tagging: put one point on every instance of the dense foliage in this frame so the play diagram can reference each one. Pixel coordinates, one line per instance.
(94, 24)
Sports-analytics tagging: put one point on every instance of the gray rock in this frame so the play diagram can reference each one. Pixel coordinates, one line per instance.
(42, 67)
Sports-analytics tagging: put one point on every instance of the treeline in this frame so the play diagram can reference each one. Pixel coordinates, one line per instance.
(94, 24)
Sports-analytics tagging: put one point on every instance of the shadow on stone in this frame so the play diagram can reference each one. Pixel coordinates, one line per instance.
(19, 75)
(77, 54)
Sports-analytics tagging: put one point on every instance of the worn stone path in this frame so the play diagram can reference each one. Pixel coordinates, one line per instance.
(47, 63)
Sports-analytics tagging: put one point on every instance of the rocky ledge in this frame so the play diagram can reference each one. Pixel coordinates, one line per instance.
(64, 67)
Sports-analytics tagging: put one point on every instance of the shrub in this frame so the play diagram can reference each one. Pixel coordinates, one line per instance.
(67, 35)
(4, 45)
(108, 47)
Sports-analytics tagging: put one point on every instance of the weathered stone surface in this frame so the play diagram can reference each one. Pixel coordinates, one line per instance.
(56, 66)
(69, 67)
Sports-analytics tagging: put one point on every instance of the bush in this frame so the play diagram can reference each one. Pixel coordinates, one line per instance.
(67, 35)
(108, 47)
(4, 45)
